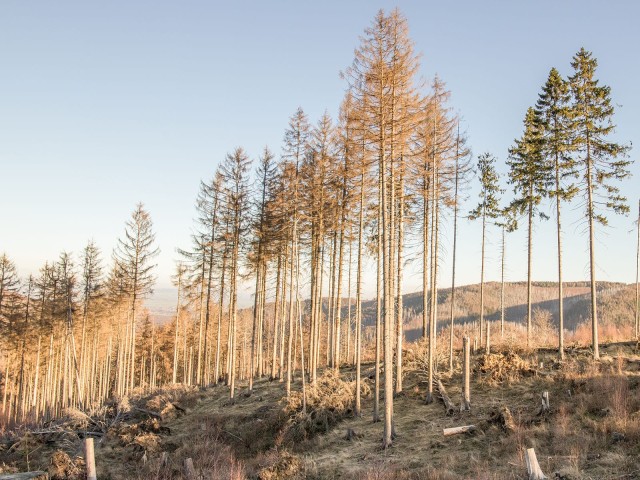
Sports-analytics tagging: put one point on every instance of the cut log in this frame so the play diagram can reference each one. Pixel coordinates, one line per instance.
(456, 430)
(189, 470)
(449, 406)
(533, 468)
(38, 475)
(89, 458)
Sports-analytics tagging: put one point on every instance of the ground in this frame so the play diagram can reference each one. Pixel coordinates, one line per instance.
(592, 430)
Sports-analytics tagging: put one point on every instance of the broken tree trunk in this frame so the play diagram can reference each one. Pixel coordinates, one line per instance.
(456, 430)
(544, 407)
(533, 468)
(466, 391)
(449, 406)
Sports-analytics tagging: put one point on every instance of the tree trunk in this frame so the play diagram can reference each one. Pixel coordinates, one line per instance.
(592, 255)
(529, 246)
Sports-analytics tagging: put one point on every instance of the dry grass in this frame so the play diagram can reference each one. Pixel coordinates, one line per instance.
(591, 431)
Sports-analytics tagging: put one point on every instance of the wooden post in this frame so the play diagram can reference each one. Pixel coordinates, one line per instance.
(189, 470)
(466, 391)
(533, 468)
(89, 459)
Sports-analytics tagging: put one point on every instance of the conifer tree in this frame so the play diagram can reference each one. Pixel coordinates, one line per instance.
(552, 110)
(382, 80)
(9, 281)
(235, 170)
(600, 161)
(530, 176)
(487, 210)
(133, 258)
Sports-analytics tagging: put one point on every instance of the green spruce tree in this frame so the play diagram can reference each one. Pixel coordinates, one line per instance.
(600, 160)
(530, 176)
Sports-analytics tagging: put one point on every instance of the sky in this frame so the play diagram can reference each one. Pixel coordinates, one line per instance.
(107, 104)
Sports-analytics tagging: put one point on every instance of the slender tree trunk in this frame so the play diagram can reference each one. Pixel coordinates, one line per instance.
(560, 286)
(358, 323)
(276, 322)
(292, 282)
(484, 225)
(592, 254)
(376, 396)
(399, 310)
(175, 340)
(529, 246)
(455, 241)
(638, 278)
(502, 284)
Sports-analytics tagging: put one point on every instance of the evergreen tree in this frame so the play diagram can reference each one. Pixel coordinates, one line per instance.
(235, 170)
(488, 210)
(133, 257)
(9, 281)
(600, 161)
(552, 110)
(530, 176)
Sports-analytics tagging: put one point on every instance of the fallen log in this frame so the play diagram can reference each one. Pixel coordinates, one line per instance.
(533, 468)
(148, 412)
(456, 430)
(449, 406)
(38, 475)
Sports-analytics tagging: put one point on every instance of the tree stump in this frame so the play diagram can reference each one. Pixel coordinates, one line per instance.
(466, 391)
(533, 468)
(189, 470)
(89, 458)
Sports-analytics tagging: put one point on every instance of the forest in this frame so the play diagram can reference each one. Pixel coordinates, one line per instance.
(373, 186)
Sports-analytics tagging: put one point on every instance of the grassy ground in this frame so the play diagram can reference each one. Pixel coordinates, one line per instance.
(591, 431)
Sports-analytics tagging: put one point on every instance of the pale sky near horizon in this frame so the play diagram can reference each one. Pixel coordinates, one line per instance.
(106, 104)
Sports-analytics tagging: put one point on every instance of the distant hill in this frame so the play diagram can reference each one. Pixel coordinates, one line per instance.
(615, 304)
(162, 304)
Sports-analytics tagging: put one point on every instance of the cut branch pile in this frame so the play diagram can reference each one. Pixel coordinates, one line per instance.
(496, 368)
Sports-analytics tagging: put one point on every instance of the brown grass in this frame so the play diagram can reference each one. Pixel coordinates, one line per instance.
(591, 431)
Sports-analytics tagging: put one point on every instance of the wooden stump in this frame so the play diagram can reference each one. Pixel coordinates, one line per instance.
(466, 392)
(89, 458)
(189, 470)
(533, 468)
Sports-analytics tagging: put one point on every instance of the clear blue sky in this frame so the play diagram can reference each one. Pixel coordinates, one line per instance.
(105, 104)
